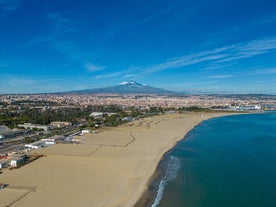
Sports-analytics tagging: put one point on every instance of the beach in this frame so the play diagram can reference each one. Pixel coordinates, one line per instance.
(110, 168)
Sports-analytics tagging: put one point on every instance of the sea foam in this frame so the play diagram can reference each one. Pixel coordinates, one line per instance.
(171, 173)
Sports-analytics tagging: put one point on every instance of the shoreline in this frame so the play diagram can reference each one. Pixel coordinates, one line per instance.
(112, 168)
(148, 196)
(148, 199)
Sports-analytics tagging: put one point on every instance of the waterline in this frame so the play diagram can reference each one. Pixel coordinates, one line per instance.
(226, 161)
(171, 173)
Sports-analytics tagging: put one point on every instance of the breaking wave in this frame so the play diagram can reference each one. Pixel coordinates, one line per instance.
(171, 173)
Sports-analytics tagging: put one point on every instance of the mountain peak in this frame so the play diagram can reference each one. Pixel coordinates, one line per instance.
(126, 87)
(131, 83)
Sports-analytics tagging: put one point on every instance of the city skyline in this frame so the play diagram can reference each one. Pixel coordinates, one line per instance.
(204, 46)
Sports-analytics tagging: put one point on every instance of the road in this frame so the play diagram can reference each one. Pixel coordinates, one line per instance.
(5, 148)
(18, 143)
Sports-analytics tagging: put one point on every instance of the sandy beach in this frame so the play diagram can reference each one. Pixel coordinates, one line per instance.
(111, 168)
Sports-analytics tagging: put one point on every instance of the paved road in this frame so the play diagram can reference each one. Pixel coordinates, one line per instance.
(5, 148)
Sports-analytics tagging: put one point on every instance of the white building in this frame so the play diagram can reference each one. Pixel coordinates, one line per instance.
(36, 145)
(59, 124)
(85, 131)
(127, 119)
(97, 115)
(258, 107)
(53, 140)
(16, 160)
(45, 142)
(34, 126)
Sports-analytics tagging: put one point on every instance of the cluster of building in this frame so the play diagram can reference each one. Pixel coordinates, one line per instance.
(233, 103)
(134, 100)
(246, 108)
(45, 142)
(7, 133)
(13, 160)
(53, 125)
(34, 126)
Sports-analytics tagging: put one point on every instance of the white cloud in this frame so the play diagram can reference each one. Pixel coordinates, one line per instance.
(220, 76)
(264, 71)
(218, 55)
(261, 20)
(129, 76)
(62, 22)
(109, 75)
(90, 67)
(8, 6)
(167, 9)
(41, 39)
(250, 49)
(132, 72)
(21, 84)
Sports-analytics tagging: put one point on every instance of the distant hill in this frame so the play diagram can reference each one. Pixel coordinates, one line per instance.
(130, 87)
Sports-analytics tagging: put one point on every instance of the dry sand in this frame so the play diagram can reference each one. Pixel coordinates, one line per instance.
(109, 169)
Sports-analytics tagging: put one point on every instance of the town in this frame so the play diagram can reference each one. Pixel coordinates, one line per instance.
(30, 122)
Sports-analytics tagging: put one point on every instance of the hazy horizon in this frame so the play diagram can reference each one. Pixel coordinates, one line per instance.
(203, 46)
(188, 92)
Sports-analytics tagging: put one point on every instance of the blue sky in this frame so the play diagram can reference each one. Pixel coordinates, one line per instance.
(182, 45)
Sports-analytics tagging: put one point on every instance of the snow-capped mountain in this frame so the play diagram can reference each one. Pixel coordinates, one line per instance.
(131, 83)
(126, 88)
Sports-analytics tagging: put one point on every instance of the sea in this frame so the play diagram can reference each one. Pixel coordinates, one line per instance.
(223, 162)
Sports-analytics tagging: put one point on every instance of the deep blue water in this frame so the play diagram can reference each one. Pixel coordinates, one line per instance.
(227, 161)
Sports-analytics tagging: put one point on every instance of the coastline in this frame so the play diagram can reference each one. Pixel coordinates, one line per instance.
(199, 156)
(147, 197)
(119, 162)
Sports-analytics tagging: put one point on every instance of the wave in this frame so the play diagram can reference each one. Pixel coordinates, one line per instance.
(171, 173)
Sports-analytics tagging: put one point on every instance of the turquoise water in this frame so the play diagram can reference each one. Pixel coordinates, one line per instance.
(227, 161)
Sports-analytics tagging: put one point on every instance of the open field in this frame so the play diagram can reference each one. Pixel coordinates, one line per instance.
(114, 137)
(111, 168)
(68, 150)
(13, 194)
